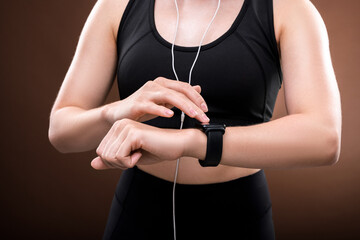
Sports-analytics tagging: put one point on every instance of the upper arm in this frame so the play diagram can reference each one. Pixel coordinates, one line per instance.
(92, 70)
(309, 81)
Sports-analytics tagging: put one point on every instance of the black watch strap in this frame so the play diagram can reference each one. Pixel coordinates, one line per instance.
(214, 145)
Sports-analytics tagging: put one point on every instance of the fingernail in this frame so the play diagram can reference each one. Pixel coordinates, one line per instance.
(204, 107)
(169, 112)
(205, 118)
(193, 112)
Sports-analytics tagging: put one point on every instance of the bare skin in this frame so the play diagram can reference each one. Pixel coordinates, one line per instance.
(308, 136)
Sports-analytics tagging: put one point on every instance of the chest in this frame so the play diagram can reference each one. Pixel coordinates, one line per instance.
(194, 19)
(238, 71)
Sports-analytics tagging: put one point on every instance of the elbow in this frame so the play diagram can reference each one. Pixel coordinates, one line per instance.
(332, 148)
(56, 140)
(56, 134)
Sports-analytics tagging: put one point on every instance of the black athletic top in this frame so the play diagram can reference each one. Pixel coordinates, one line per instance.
(239, 73)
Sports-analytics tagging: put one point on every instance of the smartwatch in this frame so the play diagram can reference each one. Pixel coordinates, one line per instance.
(214, 146)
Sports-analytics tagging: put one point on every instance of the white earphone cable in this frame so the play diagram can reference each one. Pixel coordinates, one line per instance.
(182, 113)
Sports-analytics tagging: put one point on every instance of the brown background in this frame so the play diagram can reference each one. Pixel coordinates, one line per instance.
(48, 195)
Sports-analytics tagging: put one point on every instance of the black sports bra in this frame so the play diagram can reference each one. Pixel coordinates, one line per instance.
(239, 73)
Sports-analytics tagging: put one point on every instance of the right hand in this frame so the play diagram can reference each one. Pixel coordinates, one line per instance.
(157, 97)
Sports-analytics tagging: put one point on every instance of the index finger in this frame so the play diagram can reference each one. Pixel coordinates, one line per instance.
(186, 89)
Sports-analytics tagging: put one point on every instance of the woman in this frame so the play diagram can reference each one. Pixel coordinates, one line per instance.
(235, 82)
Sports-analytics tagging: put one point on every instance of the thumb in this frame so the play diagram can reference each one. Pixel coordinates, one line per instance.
(135, 157)
(98, 164)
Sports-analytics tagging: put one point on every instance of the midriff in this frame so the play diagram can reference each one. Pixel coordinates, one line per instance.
(190, 171)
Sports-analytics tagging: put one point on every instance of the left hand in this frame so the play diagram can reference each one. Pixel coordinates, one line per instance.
(128, 140)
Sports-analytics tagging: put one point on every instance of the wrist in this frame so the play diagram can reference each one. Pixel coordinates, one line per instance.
(115, 111)
(194, 143)
(106, 114)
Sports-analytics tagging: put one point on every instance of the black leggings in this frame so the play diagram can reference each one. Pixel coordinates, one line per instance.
(237, 209)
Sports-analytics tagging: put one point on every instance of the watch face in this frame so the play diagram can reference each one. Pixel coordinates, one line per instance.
(214, 127)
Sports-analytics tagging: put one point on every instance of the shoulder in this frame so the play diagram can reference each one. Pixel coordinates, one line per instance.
(296, 15)
(112, 10)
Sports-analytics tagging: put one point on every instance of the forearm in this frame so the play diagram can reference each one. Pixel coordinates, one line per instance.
(296, 140)
(73, 129)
